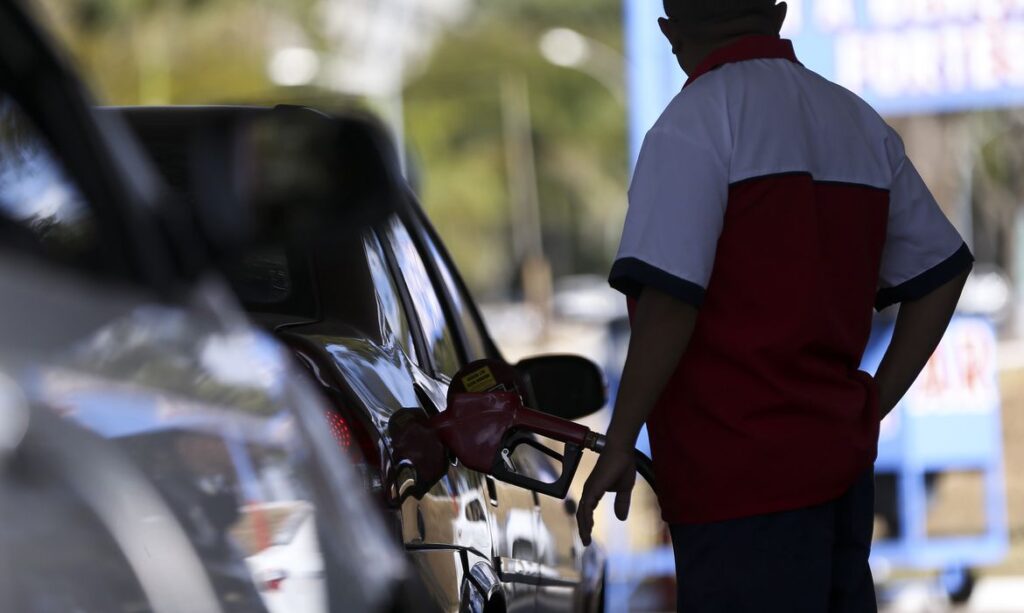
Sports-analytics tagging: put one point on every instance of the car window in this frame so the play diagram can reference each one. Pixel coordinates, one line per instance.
(476, 347)
(41, 210)
(388, 301)
(436, 331)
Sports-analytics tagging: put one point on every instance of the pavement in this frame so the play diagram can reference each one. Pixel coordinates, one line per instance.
(991, 595)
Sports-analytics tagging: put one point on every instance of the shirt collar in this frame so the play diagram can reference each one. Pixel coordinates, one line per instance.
(755, 47)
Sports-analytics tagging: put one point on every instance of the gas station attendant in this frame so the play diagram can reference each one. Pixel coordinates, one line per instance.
(770, 211)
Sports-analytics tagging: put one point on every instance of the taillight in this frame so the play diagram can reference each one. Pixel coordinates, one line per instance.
(345, 427)
(339, 428)
(359, 446)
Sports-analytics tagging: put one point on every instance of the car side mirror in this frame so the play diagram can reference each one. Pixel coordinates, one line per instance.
(566, 386)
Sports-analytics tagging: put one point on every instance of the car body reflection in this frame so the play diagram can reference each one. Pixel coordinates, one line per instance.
(208, 415)
(284, 555)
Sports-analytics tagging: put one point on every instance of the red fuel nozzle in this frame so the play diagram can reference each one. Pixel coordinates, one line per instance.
(484, 429)
(475, 425)
(483, 426)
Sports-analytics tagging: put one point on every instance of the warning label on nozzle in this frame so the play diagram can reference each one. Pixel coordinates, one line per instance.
(480, 380)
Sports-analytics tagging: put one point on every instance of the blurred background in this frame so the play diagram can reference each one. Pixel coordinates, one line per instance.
(519, 120)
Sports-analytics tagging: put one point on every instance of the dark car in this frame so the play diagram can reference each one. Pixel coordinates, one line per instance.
(382, 321)
(155, 447)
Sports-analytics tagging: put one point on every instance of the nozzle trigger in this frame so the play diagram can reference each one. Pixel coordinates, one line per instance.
(506, 457)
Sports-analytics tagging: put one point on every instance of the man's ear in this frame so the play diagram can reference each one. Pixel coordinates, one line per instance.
(781, 10)
(665, 25)
(667, 30)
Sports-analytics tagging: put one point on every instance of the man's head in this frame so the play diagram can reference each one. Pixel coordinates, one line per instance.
(696, 27)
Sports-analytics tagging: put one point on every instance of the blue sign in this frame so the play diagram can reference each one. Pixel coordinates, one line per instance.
(950, 420)
(951, 415)
(915, 56)
(902, 56)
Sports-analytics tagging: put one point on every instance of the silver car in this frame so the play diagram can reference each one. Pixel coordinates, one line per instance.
(155, 447)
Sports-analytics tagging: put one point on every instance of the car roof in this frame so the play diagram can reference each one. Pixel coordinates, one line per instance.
(168, 131)
(183, 114)
(194, 115)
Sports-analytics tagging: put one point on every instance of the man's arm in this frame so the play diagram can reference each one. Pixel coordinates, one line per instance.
(920, 325)
(661, 330)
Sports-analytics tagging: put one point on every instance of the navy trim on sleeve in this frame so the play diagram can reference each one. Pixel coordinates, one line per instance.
(630, 276)
(928, 281)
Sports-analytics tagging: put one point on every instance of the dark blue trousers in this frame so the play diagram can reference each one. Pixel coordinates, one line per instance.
(812, 560)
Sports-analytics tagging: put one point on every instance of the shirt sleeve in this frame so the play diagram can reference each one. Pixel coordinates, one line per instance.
(923, 251)
(676, 210)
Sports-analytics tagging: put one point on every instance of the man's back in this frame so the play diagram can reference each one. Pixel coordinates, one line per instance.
(785, 208)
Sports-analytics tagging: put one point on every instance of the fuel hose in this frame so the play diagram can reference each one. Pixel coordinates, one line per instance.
(644, 466)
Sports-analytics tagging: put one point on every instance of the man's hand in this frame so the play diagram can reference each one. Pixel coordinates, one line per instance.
(615, 472)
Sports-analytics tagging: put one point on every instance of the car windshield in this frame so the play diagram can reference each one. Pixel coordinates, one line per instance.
(33, 188)
(41, 210)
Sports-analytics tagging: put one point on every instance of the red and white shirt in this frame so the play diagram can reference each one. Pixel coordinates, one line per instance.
(785, 208)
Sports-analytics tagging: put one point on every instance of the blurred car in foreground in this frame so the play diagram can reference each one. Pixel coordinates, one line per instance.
(382, 321)
(143, 421)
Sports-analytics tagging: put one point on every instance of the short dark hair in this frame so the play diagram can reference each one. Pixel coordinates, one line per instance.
(716, 10)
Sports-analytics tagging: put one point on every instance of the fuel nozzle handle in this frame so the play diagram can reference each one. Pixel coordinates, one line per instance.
(486, 421)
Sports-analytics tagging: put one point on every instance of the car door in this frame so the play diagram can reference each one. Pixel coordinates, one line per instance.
(558, 548)
(511, 510)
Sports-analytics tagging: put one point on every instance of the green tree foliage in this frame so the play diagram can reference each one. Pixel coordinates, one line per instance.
(454, 122)
(169, 51)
